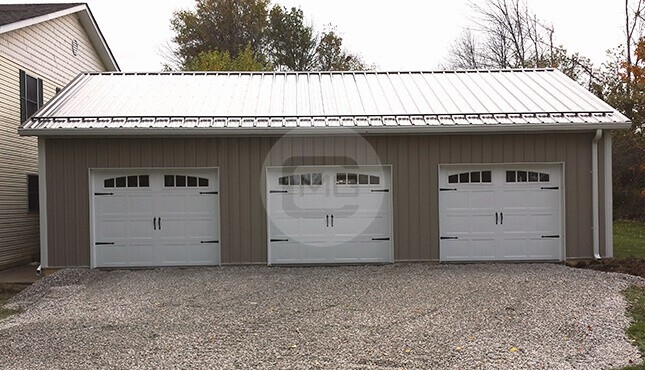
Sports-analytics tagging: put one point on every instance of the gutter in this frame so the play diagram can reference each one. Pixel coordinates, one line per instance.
(594, 194)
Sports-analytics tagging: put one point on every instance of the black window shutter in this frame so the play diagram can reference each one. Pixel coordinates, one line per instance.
(23, 103)
(40, 93)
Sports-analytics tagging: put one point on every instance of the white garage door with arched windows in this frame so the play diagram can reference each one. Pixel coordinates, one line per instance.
(152, 217)
(500, 212)
(329, 215)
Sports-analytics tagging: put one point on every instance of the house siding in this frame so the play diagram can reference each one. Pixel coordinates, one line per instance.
(242, 161)
(42, 51)
(47, 48)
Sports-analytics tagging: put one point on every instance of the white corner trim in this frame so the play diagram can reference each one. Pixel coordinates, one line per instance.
(42, 201)
(595, 194)
(609, 201)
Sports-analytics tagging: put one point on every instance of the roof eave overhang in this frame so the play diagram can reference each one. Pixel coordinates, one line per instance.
(306, 131)
(87, 21)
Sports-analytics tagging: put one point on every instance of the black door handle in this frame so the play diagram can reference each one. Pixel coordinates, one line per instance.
(327, 217)
(159, 223)
(154, 223)
(332, 220)
(501, 218)
(495, 218)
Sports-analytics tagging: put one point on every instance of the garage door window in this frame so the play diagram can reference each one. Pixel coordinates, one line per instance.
(301, 179)
(356, 179)
(134, 181)
(474, 177)
(182, 181)
(526, 176)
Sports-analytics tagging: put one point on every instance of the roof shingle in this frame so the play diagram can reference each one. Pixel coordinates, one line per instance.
(12, 13)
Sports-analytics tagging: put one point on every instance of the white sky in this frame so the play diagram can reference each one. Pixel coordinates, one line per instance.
(393, 35)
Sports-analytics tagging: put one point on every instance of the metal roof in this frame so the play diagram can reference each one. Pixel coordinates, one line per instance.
(319, 102)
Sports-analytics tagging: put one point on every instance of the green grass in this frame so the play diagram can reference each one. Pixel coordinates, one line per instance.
(629, 239)
(635, 296)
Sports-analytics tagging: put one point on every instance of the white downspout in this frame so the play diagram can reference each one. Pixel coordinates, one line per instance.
(594, 194)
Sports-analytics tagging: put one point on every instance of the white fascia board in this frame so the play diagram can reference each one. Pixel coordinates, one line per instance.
(40, 19)
(186, 132)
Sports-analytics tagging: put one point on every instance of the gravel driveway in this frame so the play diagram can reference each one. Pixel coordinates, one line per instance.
(396, 316)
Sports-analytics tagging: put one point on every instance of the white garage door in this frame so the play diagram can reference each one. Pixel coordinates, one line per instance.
(155, 218)
(329, 215)
(510, 212)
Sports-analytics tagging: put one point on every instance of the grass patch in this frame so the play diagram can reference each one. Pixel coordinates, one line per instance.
(6, 292)
(629, 239)
(635, 296)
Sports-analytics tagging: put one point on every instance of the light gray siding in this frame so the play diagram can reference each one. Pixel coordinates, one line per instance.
(241, 162)
(42, 51)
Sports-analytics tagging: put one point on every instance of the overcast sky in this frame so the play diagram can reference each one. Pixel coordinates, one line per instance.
(393, 35)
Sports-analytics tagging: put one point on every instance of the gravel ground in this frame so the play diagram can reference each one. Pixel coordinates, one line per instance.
(396, 316)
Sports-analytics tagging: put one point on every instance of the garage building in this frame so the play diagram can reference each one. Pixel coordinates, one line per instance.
(196, 168)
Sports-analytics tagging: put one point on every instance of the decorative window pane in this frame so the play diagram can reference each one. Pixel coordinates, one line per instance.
(305, 179)
(352, 179)
(341, 178)
(294, 179)
(544, 177)
(120, 182)
(475, 176)
(522, 176)
(169, 180)
(533, 177)
(463, 177)
(486, 176)
(284, 180)
(316, 179)
(180, 180)
(203, 181)
(453, 179)
(192, 181)
(510, 176)
(375, 180)
(144, 181)
(133, 181)
(108, 183)
(363, 179)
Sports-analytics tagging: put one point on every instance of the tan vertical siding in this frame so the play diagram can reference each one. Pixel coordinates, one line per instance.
(414, 163)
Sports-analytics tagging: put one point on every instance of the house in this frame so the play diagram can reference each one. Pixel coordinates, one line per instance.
(42, 48)
(198, 168)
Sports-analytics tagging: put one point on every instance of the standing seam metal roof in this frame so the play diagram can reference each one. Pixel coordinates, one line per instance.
(224, 101)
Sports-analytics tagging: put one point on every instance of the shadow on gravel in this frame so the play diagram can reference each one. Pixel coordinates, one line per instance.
(6, 292)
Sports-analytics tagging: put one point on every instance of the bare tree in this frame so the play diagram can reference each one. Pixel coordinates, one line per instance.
(510, 34)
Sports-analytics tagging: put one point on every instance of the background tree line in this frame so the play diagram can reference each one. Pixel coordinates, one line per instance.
(249, 35)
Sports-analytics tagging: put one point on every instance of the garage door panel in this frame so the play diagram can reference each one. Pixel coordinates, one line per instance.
(161, 223)
(526, 210)
(303, 215)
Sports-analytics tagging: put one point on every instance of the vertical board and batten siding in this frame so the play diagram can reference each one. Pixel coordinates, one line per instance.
(242, 160)
(42, 51)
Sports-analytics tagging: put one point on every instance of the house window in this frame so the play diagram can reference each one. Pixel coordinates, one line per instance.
(526, 176)
(301, 179)
(356, 179)
(182, 181)
(136, 181)
(31, 95)
(33, 204)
